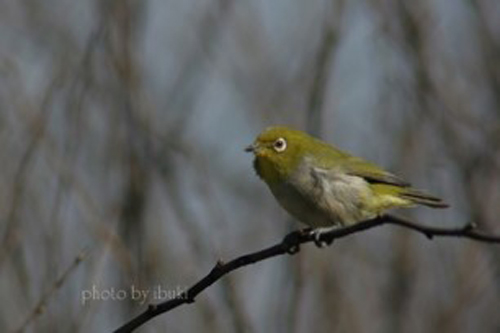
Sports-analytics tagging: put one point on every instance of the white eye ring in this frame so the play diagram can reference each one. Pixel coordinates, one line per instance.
(279, 145)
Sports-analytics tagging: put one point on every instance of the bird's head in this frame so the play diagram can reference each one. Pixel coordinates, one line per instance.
(278, 152)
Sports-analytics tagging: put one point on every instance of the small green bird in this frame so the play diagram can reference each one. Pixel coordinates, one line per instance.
(325, 187)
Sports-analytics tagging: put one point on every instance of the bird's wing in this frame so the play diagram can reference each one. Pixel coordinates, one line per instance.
(356, 166)
(371, 173)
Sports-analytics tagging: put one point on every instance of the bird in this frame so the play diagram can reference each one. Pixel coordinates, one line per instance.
(325, 187)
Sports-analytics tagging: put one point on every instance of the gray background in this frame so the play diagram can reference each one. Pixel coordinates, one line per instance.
(122, 127)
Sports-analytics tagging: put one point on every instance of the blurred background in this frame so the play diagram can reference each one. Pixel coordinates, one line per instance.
(122, 128)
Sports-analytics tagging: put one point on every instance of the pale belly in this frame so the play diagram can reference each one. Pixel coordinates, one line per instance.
(324, 202)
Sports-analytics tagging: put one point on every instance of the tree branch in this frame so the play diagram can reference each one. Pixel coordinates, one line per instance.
(42, 302)
(291, 245)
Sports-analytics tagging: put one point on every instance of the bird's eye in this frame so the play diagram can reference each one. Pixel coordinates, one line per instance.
(279, 145)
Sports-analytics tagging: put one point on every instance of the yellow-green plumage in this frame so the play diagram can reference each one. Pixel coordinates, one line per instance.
(323, 186)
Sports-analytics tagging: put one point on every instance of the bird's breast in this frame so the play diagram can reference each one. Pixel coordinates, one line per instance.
(322, 197)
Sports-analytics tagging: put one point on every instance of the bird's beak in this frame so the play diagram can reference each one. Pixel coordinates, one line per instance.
(252, 148)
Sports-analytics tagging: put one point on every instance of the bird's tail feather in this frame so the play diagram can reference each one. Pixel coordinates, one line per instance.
(422, 198)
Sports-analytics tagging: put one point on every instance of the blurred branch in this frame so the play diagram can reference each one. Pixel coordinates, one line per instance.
(42, 303)
(320, 80)
(37, 126)
(291, 245)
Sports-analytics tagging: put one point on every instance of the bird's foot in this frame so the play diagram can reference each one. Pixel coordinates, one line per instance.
(320, 240)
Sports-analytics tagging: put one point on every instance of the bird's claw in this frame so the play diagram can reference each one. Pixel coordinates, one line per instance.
(319, 240)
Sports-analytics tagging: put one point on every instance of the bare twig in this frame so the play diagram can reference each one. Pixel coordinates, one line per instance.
(42, 303)
(291, 245)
